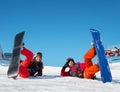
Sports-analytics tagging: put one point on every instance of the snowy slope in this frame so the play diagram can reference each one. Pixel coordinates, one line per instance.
(52, 82)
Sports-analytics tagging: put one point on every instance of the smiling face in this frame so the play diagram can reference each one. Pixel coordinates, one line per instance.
(70, 63)
(38, 58)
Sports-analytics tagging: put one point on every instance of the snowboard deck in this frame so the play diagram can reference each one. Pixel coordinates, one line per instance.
(15, 60)
(104, 66)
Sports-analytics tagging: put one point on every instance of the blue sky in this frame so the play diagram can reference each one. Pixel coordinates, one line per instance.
(59, 28)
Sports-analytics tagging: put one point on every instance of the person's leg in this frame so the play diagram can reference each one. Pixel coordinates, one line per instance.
(88, 57)
(28, 54)
(23, 69)
(90, 72)
(23, 72)
(90, 69)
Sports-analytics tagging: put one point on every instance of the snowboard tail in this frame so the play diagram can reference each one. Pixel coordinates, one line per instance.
(104, 66)
(15, 60)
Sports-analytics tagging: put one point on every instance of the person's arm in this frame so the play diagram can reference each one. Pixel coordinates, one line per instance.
(40, 69)
(64, 73)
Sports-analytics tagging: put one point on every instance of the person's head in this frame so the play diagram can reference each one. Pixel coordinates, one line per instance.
(70, 62)
(38, 57)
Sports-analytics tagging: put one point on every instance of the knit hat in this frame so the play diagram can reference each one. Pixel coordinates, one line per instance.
(38, 54)
(70, 59)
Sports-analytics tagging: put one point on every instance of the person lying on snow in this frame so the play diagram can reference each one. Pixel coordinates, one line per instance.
(82, 70)
(32, 65)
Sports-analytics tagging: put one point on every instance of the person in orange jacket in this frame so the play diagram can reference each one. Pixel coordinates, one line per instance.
(32, 65)
(82, 70)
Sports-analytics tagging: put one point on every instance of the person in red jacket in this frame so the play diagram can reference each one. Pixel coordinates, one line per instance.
(32, 65)
(74, 69)
(82, 70)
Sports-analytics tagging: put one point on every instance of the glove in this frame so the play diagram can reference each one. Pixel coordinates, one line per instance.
(23, 44)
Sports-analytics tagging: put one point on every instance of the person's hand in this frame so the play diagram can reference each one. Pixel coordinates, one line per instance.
(80, 75)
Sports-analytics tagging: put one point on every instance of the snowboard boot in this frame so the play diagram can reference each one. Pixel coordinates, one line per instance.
(93, 45)
(97, 63)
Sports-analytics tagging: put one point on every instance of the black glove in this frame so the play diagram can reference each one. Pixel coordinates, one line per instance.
(23, 44)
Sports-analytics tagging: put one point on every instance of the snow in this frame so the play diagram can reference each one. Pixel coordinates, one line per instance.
(51, 81)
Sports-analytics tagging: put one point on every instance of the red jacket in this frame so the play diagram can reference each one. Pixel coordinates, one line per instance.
(73, 69)
(78, 67)
(64, 73)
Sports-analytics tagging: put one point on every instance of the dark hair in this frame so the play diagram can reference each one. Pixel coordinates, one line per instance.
(70, 59)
